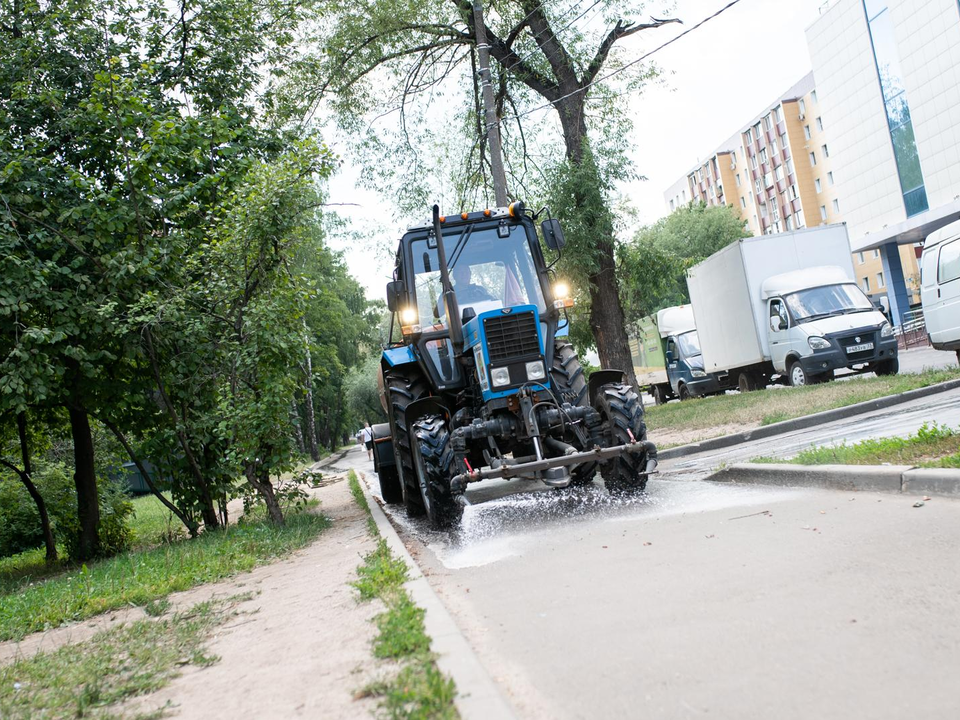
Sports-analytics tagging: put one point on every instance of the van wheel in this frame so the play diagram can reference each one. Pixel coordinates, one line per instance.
(888, 367)
(660, 398)
(958, 357)
(683, 392)
(746, 382)
(798, 376)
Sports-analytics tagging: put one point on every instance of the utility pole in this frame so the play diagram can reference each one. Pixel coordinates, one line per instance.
(490, 112)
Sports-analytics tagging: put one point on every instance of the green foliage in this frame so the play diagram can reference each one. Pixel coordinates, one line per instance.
(400, 630)
(381, 573)
(85, 679)
(114, 530)
(933, 445)
(363, 394)
(139, 577)
(653, 265)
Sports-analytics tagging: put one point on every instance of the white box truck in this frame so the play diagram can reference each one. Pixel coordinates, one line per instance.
(786, 308)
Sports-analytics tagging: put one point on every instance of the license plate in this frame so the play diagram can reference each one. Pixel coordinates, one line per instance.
(859, 348)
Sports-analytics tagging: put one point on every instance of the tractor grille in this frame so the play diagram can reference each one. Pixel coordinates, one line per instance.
(510, 336)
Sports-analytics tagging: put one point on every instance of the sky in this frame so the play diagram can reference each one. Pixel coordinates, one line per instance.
(718, 78)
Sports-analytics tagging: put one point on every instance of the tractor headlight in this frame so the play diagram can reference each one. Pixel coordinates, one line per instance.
(535, 370)
(886, 331)
(818, 343)
(500, 377)
(561, 296)
(409, 316)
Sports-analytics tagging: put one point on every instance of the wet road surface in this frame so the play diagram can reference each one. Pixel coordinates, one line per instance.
(701, 599)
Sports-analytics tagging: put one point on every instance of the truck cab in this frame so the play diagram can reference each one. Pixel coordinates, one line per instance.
(818, 320)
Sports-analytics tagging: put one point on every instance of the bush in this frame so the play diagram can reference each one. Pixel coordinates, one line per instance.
(20, 522)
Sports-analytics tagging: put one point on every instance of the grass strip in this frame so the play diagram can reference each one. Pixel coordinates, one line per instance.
(932, 446)
(769, 406)
(139, 577)
(87, 679)
(419, 689)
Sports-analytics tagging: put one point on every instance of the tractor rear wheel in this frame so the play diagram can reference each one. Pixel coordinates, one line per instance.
(433, 461)
(622, 414)
(570, 384)
(403, 387)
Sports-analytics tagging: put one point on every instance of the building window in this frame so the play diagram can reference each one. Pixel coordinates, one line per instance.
(776, 114)
(806, 132)
(830, 178)
(778, 172)
(803, 108)
(774, 146)
(876, 253)
(799, 217)
(753, 161)
(813, 159)
(813, 95)
(879, 279)
(860, 258)
(866, 284)
(816, 184)
(743, 202)
(836, 205)
(823, 213)
(783, 141)
(819, 124)
(794, 194)
(738, 179)
(763, 156)
(826, 153)
(671, 206)
(789, 166)
(767, 122)
(767, 179)
(789, 222)
(887, 59)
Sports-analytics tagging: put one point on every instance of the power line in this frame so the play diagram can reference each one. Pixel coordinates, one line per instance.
(629, 64)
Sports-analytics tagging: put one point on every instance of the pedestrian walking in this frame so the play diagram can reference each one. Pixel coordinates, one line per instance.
(367, 437)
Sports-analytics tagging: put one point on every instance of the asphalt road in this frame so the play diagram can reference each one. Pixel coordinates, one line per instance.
(703, 599)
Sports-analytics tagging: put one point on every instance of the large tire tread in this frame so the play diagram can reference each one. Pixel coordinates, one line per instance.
(622, 413)
(570, 384)
(404, 387)
(437, 467)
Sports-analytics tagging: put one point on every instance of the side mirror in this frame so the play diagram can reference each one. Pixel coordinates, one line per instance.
(395, 293)
(777, 323)
(553, 234)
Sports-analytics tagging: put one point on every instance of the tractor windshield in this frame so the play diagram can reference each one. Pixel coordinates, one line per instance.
(488, 272)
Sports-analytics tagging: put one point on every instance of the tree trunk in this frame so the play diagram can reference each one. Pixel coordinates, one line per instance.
(298, 429)
(606, 311)
(48, 541)
(264, 487)
(85, 480)
(308, 387)
(187, 522)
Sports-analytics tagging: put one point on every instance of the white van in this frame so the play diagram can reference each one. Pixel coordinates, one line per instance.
(940, 287)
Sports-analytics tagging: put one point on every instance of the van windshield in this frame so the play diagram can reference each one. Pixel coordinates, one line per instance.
(689, 344)
(820, 302)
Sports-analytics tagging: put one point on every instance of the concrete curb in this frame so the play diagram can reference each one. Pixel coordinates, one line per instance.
(806, 421)
(478, 697)
(881, 478)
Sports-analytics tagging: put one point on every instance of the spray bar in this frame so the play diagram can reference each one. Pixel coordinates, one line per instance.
(459, 483)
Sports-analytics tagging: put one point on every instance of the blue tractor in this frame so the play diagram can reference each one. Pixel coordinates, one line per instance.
(481, 381)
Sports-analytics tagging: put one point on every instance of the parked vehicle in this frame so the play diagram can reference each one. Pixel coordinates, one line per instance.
(667, 358)
(940, 287)
(482, 382)
(786, 308)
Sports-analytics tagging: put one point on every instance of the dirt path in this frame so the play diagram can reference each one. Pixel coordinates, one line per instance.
(301, 646)
(298, 646)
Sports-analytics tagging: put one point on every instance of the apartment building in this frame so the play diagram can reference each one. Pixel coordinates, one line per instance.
(778, 172)
(888, 76)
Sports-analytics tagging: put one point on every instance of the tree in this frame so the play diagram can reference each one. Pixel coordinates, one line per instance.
(389, 55)
(654, 264)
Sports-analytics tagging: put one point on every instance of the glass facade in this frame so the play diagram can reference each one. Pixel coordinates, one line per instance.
(895, 103)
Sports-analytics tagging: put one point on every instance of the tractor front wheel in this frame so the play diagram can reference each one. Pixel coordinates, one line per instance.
(403, 387)
(571, 385)
(433, 463)
(622, 413)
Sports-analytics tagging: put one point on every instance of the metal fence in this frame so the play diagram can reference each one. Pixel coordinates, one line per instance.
(912, 330)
